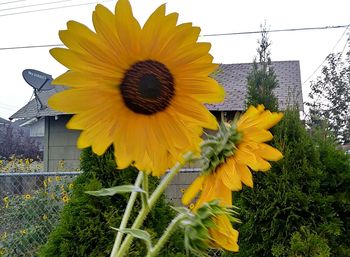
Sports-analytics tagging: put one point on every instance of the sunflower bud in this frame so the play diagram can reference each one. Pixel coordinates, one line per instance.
(209, 227)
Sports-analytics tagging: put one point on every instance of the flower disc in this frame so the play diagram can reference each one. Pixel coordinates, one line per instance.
(141, 90)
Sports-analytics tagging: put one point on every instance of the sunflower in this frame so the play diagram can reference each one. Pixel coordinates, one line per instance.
(141, 90)
(247, 150)
(210, 226)
(223, 235)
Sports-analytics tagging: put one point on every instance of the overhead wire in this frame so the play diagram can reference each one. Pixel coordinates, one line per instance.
(33, 5)
(10, 2)
(275, 30)
(333, 48)
(53, 8)
(236, 33)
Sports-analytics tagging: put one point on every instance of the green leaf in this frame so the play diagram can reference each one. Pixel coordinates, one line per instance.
(115, 190)
(138, 233)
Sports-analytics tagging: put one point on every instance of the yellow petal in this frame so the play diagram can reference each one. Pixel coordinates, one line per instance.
(194, 112)
(246, 175)
(192, 190)
(229, 176)
(257, 135)
(206, 90)
(268, 152)
(128, 28)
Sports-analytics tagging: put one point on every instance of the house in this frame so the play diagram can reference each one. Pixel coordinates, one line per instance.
(60, 143)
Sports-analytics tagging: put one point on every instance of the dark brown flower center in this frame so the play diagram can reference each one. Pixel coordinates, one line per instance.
(147, 87)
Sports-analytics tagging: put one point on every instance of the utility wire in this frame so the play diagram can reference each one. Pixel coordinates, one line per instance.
(275, 30)
(13, 2)
(237, 33)
(53, 8)
(26, 47)
(319, 66)
(33, 5)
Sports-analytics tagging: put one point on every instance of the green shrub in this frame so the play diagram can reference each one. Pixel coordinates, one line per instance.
(85, 225)
(336, 186)
(288, 197)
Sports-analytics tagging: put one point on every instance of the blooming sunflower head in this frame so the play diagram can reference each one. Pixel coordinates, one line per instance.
(210, 227)
(140, 89)
(229, 156)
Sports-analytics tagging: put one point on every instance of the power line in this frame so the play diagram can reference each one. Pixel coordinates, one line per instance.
(53, 8)
(236, 33)
(33, 5)
(26, 47)
(13, 2)
(275, 30)
(319, 66)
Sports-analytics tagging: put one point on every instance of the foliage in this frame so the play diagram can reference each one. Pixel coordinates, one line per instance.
(85, 225)
(292, 195)
(336, 186)
(13, 141)
(262, 80)
(330, 94)
(35, 215)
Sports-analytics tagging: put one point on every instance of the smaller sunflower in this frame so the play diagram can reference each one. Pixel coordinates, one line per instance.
(223, 235)
(210, 226)
(241, 146)
(27, 197)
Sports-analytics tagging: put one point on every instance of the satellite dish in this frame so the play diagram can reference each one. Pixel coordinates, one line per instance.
(38, 80)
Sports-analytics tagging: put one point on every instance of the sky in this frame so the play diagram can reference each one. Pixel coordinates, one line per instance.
(22, 25)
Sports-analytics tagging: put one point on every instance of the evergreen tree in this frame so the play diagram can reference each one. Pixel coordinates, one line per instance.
(262, 80)
(85, 225)
(330, 94)
(289, 200)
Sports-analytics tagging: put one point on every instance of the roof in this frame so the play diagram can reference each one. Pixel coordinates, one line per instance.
(233, 77)
(34, 109)
(4, 121)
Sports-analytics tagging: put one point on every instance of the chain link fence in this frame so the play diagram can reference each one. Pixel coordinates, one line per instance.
(30, 204)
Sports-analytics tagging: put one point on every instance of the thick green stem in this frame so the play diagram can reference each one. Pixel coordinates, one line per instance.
(166, 235)
(126, 215)
(144, 197)
(153, 199)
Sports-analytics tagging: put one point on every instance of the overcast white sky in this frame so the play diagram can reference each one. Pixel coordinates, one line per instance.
(219, 16)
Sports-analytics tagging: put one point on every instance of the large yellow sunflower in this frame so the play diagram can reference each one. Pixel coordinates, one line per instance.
(140, 89)
(250, 151)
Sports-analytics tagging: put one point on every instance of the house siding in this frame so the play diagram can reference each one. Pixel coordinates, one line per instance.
(60, 145)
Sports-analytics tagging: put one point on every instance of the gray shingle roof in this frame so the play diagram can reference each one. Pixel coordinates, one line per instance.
(3, 121)
(33, 108)
(233, 77)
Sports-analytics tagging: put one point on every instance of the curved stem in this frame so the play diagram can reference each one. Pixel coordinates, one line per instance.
(126, 215)
(165, 237)
(153, 199)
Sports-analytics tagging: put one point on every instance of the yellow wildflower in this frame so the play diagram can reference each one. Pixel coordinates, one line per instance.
(65, 199)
